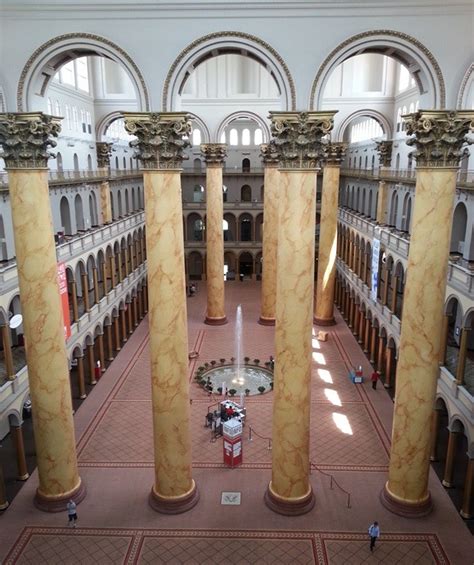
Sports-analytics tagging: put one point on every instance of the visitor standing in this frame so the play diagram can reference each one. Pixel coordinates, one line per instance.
(72, 514)
(374, 533)
(374, 378)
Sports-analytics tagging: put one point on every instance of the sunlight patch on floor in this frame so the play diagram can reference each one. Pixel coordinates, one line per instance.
(342, 423)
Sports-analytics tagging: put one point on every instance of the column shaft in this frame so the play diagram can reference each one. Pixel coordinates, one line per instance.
(96, 285)
(444, 340)
(324, 303)
(466, 510)
(461, 367)
(7, 352)
(75, 309)
(450, 455)
(110, 349)
(3, 491)
(406, 491)
(91, 363)
(118, 342)
(174, 489)
(215, 246)
(290, 490)
(382, 202)
(85, 291)
(100, 341)
(48, 372)
(17, 435)
(80, 378)
(269, 247)
(105, 202)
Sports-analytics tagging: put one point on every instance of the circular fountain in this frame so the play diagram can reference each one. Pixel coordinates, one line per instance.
(242, 377)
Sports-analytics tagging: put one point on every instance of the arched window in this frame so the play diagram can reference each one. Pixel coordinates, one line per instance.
(224, 193)
(197, 165)
(246, 136)
(93, 209)
(3, 244)
(411, 108)
(76, 162)
(89, 162)
(196, 137)
(399, 119)
(50, 106)
(117, 163)
(59, 161)
(246, 165)
(65, 216)
(57, 108)
(258, 137)
(198, 193)
(233, 137)
(222, 139)
(246, 193)
(79, 212)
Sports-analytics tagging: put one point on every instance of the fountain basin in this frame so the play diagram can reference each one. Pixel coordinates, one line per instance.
(248, 377)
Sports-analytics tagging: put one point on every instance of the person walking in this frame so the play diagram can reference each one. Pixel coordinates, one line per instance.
(374, 378)
(71, 512)
(374, 533)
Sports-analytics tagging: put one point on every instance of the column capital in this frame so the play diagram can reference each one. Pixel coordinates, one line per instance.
(269, 153)
(104, 151)
(334, 153)
(439, 136)
(214, 153)
(26, 138)
(161, 137)
(298, 137)
(384, 149)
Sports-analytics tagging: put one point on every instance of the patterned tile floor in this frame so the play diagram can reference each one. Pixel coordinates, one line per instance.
(350, 440)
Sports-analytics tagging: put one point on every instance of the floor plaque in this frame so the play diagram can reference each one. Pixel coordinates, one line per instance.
(230, 498)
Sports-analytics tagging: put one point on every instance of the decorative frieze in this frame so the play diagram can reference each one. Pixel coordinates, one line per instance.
(334, 153)
(269, 154)
(161, 137)
(104, 151)
(439, 136)
(298, 137)
(384, 149)
(214, 153)
(26, 138)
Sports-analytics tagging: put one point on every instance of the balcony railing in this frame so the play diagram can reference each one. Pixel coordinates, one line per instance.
(464, 178)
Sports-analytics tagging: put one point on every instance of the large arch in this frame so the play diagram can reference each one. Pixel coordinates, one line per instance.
(401, 46)
(48, 57)
(228, 42)
(244, 114)
(467, 84)
(378, 116)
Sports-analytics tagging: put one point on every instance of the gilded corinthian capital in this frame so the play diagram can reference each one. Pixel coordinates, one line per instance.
(214, 153)
(298, 137)
(439, 136)
(104, 151)
(161, 137)
(26, 138)
(334, 153)
(384, 149)
(269, 154)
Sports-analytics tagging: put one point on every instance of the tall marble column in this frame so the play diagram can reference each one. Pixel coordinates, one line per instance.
(384, 149)
(269, 155)
(3, 491)
(104, 150)
(159, 146)
(298, 139)
(439, 136)
(467, 510)
(324, 300)
(214, 155)
(26, 139)
(7, 351)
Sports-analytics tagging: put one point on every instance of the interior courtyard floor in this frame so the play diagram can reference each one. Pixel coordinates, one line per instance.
(350, 440)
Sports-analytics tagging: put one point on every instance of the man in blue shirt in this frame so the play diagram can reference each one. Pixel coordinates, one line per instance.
(374, 533)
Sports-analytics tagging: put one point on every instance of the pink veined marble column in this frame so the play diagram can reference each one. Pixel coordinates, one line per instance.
(290, 491)
(268, 152)
(439, 136)
(214, 155)
(26, 139)
(174, 489)
(324, 300)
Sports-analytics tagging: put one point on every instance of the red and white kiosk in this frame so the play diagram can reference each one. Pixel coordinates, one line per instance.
(232, 433)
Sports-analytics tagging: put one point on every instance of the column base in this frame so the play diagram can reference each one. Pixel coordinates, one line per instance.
(92, 383)
(4, 505)
(465, 515)
(83, 396)
(215, 321)
(324, 321)
(59, 503)
(405, 508)
(263, 321)
(174, 505)
(447, 484)
(23, 477)
(387, 385)
(288, 506)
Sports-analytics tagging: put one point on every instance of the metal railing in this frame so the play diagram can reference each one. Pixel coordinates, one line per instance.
(333, 482)
(252, 432)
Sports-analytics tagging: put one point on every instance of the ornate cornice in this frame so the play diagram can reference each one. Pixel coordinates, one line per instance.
(376, 33)
(224, 35)
(25, 139)
(298, 137)
(384, 149)
(104, 151)
(269, 154)
(439, 136)
(161, 137)
(214, 153)
(72, 36)
(334, 153)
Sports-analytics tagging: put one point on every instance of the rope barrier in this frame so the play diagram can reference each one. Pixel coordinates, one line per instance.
(252, 431)
(333, 480)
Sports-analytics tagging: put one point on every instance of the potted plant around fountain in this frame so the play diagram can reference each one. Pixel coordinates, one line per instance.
(246, 360)
(232, 392)
(219, 390)
(247, 391)
(256, 361)
(261, 389)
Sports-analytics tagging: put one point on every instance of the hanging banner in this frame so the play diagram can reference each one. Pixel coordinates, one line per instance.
(62, 280)
(375, 268)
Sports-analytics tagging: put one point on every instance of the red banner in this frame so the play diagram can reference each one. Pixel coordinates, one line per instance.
(62, 280)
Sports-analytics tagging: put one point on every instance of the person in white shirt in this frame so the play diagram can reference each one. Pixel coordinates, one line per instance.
(374, 533)
(71, 512)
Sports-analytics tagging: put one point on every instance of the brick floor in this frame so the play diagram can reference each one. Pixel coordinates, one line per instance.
(350, 440)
